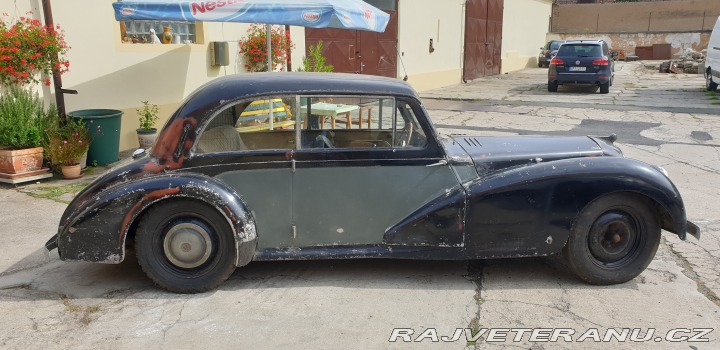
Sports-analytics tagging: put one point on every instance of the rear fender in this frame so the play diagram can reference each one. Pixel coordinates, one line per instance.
(530, 210)
(97, 232)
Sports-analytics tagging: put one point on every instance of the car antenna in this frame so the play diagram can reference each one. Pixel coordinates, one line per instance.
(405, 78)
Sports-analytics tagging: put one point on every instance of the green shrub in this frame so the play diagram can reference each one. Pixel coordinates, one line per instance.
(316, 61)
(22, 118)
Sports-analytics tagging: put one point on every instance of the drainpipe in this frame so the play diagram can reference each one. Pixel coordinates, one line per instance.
(289, 51)
(57, 80)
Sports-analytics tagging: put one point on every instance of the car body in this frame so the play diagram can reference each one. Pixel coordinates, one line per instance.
(548, 51)
(583, 62)
(219, 190)
(712, 59)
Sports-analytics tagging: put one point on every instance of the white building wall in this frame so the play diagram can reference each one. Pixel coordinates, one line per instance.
(110, 74)
(422, 20)
(525, 25)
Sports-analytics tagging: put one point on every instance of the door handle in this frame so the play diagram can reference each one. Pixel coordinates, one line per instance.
(441, 162)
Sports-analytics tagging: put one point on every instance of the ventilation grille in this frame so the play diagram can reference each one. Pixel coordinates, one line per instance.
(471, 141)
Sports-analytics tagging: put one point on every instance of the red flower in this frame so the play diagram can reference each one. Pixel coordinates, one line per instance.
(28, 48)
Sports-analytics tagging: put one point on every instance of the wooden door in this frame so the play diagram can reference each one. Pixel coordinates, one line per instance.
(340, 47)
(378, 51)
(483, 38)
(362, 52)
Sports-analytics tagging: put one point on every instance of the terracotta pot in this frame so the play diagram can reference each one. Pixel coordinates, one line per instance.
(71, 171)
(146, 138)
(21, 160)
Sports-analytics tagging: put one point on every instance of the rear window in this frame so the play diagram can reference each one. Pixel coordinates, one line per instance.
(580, 50)
(555, 44)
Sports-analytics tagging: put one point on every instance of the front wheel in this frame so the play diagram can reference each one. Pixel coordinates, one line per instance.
(185, 246)
(613, 240)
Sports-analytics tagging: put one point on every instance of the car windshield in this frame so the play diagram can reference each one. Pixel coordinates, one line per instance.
(555, 44)
(579, 50)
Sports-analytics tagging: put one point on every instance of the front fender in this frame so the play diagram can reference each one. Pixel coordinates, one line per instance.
(97, 231)
(530, 210)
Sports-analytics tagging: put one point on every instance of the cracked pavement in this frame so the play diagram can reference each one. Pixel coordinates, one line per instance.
(660, 119)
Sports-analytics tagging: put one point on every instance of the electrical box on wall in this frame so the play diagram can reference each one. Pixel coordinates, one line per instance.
(219, 55)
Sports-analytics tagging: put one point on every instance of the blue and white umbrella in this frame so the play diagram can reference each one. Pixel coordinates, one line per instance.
(343, 14)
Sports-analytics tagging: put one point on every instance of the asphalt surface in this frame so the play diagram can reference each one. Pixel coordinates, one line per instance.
(661, 119)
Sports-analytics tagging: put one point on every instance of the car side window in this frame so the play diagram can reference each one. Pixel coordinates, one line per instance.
(248, 125)
(357, 122)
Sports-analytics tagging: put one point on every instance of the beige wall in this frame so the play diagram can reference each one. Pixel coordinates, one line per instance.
(627, 42)
(418, 22)
(666, 16)
(525, 25)
(110, 74)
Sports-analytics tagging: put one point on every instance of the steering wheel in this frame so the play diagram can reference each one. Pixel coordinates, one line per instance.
(404, 136)
(323, 141)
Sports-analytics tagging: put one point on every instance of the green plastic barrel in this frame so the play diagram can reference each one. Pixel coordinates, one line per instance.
(104, 126)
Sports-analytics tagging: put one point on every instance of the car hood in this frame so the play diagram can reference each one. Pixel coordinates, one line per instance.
(492, 154)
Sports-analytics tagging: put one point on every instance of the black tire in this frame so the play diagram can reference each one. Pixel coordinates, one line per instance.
(540, 65)
(613, 240)
(605, 88)
(552, 86)
(710, 85)
(204, 248)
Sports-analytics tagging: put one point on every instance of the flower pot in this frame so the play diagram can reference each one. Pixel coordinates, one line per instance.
(146, 138)
(82, 161)
(21, 160)
(71, 171)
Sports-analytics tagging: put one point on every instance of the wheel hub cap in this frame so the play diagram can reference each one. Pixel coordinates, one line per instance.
(611, 237)
(187, 245)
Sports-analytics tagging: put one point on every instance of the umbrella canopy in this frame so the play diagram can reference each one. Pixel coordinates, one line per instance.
(344, 14)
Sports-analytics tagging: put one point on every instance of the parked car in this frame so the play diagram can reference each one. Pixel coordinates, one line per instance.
(586, 62)
(548, 51)
(712, 59)
(352, 167)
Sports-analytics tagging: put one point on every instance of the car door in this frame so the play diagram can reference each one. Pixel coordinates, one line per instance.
(353, 181)
(241, 148)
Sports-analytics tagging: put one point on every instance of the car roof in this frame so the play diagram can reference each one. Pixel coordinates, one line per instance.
(200, 104)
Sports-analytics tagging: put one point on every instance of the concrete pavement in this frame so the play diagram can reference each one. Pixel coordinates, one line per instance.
(661, 119)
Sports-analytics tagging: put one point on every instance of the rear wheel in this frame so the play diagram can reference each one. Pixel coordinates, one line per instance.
(552, 86)
(613, 240)
(710, 85)
(185, 246)
(605, 88)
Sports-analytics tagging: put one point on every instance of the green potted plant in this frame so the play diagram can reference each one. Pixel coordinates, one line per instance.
(315, 61)
(21, 131)
(148, 116)
(66, 144)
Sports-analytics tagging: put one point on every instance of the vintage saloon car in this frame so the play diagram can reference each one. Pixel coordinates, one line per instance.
(333, 166)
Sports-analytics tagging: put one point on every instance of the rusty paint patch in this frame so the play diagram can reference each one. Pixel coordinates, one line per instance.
(148, 197)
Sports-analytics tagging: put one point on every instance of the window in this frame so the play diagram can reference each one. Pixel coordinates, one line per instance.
(312, 122)
(580, 50)
(138, 32)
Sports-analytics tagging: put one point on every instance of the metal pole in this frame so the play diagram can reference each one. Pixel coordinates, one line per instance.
(57, 81)
(269, 64)
(289, 51)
